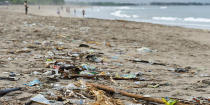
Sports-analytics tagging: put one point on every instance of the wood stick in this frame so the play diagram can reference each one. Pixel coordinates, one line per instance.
(152, 63)
(5, 91)
(7, 78)
(149, 99)
(105, 76)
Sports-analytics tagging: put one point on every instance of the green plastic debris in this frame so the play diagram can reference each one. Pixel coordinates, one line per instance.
(49, 60)
(153, 86)
(168, 101)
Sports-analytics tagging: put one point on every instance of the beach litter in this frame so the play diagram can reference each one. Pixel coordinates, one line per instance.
(75, 68)
(168, 101)
(9, 78)
(206, 81)
(40, 99)
(124, 93)
(94, 58)
(5, 91)
(12, 74)
(147, 62)
(144, 50)
(34, 82)
(182, 70)
(84, 45)
(77, 101)
(153, 86)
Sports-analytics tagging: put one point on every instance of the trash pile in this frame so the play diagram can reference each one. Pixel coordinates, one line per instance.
(80, 70)
(51, 68)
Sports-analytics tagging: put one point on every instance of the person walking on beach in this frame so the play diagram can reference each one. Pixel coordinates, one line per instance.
(58, 12)
(75, 12)
(26, 7)
(67, 9)
(83, 13)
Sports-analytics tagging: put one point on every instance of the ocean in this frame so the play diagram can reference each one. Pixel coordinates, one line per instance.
(184, 13)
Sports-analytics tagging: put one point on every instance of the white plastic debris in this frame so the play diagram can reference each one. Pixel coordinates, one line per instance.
(144, 50)
(58, 87)
(77, 101)
(204, 75)
(50, 53)
(47, 73)
(71, 86)
(36, 73)
(40, 99)
(147, 96)
(60, 43)
(10, 58)
(84, 29)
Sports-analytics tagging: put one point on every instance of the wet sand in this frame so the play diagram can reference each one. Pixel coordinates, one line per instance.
(119, 41)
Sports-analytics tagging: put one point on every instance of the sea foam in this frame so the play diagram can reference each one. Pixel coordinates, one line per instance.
(187, 19)
(192, 19)
(119, 14)
(125, 8)
(163, 7)
(166, 18)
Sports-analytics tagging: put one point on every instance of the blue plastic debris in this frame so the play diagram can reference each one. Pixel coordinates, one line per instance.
(34, 82)
(88, 67)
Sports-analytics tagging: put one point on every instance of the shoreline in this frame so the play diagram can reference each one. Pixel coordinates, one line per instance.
(50, 10)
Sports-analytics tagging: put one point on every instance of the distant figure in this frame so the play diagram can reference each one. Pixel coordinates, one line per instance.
(61, 7)
(75, 12)
(67, 10)
(26, 7)
(83, 13)
(39, 7)
(7, 4)
(58, 11)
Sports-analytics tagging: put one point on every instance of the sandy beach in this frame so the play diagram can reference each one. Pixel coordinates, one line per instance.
(26, 41)
(47, 10)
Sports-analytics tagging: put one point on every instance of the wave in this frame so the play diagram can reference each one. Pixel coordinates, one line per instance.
(103, 3)
(121, 15)
(135, 16)
(138, 4)
(188, 19)
(166, 18)
(178, 3)
(191, 19)
(126, 8)
(163, 7)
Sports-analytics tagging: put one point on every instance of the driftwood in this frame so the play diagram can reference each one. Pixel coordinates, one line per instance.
(152, 63)
(7, 78)
(5, 91)
(148, 99)
(105, 77)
